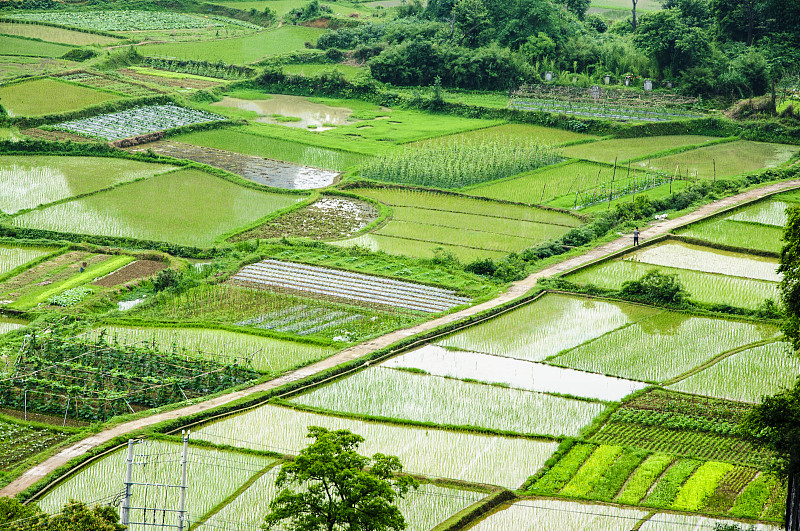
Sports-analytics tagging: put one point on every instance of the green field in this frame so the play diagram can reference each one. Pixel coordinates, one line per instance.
(727, 159)
(267, 354)
(19, 441)
(38, 97)
(281, 7)
(12, 257)
(449, 454)
(239, 140)
(547, 326)
(558, 515)
(53, 34)
(547, 135)
(623, 149)
(30, 181)
(387, 393)
(27, 48)
(310, 70)
(187, 207)
(470, 228)
(774, 364)
(663, 346)
(240, 50)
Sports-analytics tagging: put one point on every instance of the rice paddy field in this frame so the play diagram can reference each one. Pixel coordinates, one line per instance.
(12, 257)
(16, 46)
(30, 181)
(146, 209)
(35, 98)
(624, 149)
(53, 34)
(709, 275)
(726, 159)
(555, 515)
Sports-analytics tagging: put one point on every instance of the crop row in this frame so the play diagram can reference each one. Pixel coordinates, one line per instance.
(610, 110)
(137, 121)
(350, 286)
(123, 20)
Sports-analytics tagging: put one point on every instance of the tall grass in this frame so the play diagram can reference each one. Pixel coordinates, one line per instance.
(454, 164)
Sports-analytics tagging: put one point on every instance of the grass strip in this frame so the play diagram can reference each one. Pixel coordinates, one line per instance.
(701, 486)
(643, 478)
(755, 495)
(591, 471)
(560, 474)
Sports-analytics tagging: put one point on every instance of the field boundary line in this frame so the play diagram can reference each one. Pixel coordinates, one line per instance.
(716, 359)
(515, 291)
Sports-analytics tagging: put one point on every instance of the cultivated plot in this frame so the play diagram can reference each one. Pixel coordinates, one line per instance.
(186, 207)
(12, 257)
(519, 374)
(624, 149)
(547, 326)
(35, 98)
(137, 121)
(456, 455)
(723, 160)
(30, 181)
(353, 287)
(265, 354)
(386, 393)
(557, 515)
(262, 171)
(663, 346)
(19, 49)
(53, 34)
(774, 364)
(122, 19)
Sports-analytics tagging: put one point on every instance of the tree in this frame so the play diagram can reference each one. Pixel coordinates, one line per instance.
(339, 489)
(633, 13)
(75, 516)
(775, 424)
(471, 18)
(790, 285)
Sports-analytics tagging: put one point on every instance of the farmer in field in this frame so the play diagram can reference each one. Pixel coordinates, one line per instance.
(636, 236)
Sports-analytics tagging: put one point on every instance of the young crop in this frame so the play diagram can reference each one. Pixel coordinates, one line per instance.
(751, 502)
(124, 20)
(726, 231)
(591, 471)
(616, 475)
(70, 297)
(700, 486)
(557, 477)
(643, 478)
(456, 164)
(670, 483)
(673, 420)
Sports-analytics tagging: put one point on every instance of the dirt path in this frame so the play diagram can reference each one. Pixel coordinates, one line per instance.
(517, 289)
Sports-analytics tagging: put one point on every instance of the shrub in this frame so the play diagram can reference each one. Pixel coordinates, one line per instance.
(656, 287)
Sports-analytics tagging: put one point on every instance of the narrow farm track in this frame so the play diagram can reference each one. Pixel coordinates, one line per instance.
(517, 289)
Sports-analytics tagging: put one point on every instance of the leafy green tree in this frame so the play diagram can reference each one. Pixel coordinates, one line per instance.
(656, 287)
(75, 516)
(790, 268)
(339, 489)
(665, 37)
(471, 18)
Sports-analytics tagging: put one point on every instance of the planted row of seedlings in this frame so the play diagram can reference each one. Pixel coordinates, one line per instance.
(606, 109)
(137, 121)
(350, 286)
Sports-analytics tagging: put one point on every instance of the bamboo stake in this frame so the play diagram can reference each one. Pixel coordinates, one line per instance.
(611, 191)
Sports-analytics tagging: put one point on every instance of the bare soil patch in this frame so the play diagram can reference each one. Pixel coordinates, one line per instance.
(133, 271)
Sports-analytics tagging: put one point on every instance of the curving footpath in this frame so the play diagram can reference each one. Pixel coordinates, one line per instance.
(517, 289)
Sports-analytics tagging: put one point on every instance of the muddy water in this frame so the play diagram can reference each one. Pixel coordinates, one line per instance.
(263, 171)
(313, 114)
(519, 374)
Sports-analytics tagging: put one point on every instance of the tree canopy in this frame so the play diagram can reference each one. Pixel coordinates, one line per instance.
(339, 489)
(75, 516)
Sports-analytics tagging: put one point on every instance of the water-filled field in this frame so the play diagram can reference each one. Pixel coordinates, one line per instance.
(35, 98)
(188, 207)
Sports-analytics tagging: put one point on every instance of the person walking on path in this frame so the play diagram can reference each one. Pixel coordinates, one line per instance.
(636, 236)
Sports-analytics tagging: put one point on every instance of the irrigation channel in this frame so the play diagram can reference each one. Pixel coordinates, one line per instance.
(517, 289)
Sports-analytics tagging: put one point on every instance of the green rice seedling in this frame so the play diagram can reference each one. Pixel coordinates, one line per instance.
(670, 482)
(544, 135)
(413, 248)
(754, 497)
(187, 207)
(772, 213)
(590, 473)
(20, 48)
(775, 365)
(158, 462)
(35, 98)
(700, 486)
(559, 475)
(546, 327)
(643, 478)
(616, 475)
(702, 287)
(422, 509)
(261, 353)
(663, 346)
(399, 394)
(456, 455)
(53, 34)
(723, 160)
(13, 257)
(737, 234)
(623, 149)
(26, 181)
(454, 163)
(681, 522)
(558, 515)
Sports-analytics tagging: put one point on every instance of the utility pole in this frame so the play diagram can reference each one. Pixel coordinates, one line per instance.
(184, 462)
(126, 500)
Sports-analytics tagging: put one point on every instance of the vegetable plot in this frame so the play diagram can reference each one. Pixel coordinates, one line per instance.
(129, 20)
(137, 121)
